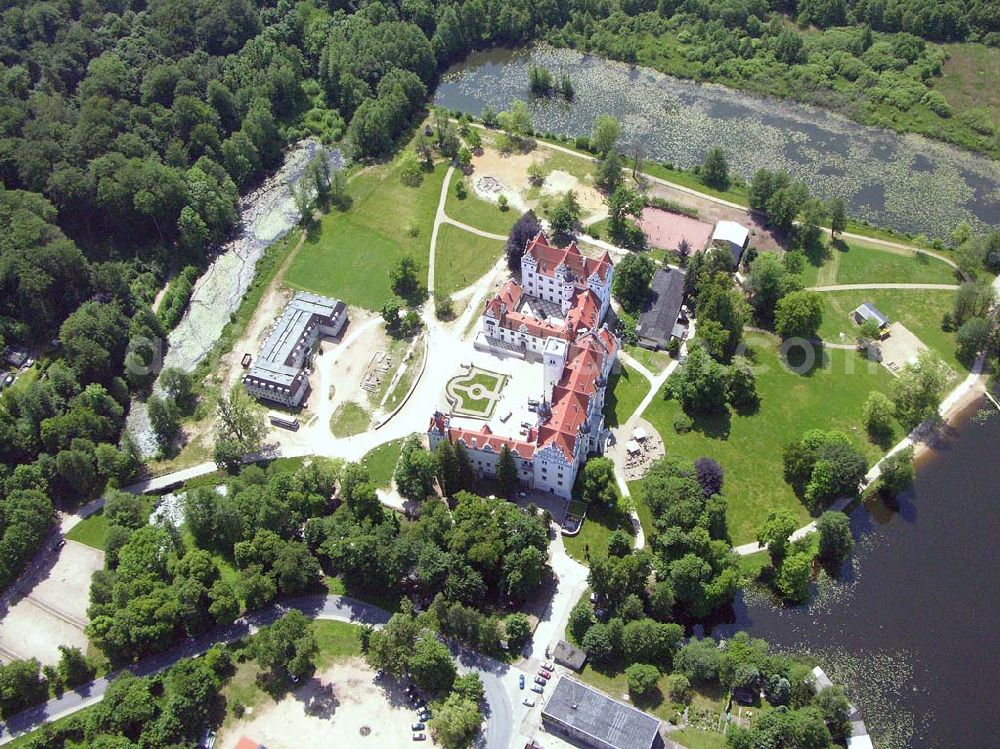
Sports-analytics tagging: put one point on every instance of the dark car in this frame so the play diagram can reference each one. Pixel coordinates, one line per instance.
(417, 727)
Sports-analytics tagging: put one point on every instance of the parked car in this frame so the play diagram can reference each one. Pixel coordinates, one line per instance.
(379, 674)
(520, 681)
(418, 727)
(424, 714)
(59, 544)
(419, 703)
(537, 689)
(549, 666)
(540, 680)
(544, 674)
(420, 737)
(528, 702)
(208, 741)
(522, 494)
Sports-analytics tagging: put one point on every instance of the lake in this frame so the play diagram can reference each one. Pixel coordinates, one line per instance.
(910, 630)
(904, 182)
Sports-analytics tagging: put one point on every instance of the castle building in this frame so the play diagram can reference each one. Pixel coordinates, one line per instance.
(555, 318)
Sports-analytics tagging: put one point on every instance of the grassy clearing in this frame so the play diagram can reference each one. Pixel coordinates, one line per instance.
(381, 463)
(349, 255)
(477, 212)
(592, 540)
(405, 381)
(337, 641)
(462, 258)
(919, 310)
(749, 447)
(695, 739)
(90, 531)
(858, 263)
(654, 361)
(971, 78)
(349, 418)
(626, 389)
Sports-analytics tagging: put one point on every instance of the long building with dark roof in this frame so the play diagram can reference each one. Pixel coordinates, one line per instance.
(592, 718)
(278, 373)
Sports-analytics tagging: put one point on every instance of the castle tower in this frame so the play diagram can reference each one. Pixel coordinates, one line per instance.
(554, 361)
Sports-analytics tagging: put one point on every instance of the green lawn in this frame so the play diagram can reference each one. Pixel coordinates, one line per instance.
(337, 641)
(695, 739)
(381, 463)
(348, 255)
(477, 212)
(90, 531)
(349, 418)
(592, 539)
(749, 447)
(626, 389)
(654, 361)
(858, 263)
(919, 310)
(462, 258)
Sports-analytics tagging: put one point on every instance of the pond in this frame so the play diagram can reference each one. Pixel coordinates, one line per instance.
(903, 182)
(911, 627)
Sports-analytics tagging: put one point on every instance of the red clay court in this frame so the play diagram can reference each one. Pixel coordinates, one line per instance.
(665, 230)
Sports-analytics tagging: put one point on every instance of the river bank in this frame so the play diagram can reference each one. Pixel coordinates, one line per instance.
(266, 215)
(904, 182)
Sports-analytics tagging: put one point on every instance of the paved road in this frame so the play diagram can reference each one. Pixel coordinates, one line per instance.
(500, 713)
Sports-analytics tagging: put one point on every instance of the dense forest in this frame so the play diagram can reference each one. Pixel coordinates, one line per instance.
(127, 133)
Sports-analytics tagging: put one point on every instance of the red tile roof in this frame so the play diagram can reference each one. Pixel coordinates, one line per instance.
(549, 258)
(583, 315)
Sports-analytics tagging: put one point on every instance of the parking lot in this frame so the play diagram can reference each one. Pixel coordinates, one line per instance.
(49, 607)
(340, 706)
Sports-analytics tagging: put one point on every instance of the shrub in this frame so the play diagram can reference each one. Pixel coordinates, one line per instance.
(460, 191)
(642, 678)
(683, 423)
(679, 688)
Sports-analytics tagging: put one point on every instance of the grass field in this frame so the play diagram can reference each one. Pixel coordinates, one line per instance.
(654, 361)
(348, 255)
(626, 389)
(462, 258)
(477, 212)
(337, 641)
(381, 463)
(858, 263)
(592, 540)
(695, 739)
(971, 78)
(349, 418)
(749, 447)
(919, 310)
(90, 531)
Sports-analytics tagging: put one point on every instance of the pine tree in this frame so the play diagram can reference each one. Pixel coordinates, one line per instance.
(448, 472)
(506, 472)
(466, 476)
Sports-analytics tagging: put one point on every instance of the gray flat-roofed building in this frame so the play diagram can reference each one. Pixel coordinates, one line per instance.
(658, 321)
(278, 373)
(594, 719)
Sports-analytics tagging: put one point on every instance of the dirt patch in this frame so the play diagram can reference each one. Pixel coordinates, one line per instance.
(711, 212)
(591, 201)
(51, 606)
(331, 710)
(666, 230)
(496, 174)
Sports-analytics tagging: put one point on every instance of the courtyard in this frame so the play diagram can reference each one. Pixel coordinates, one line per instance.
(475, 393)
(494, 389)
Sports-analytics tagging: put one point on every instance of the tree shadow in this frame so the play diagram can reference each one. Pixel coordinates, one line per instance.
(804, 359)
(716, 426)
